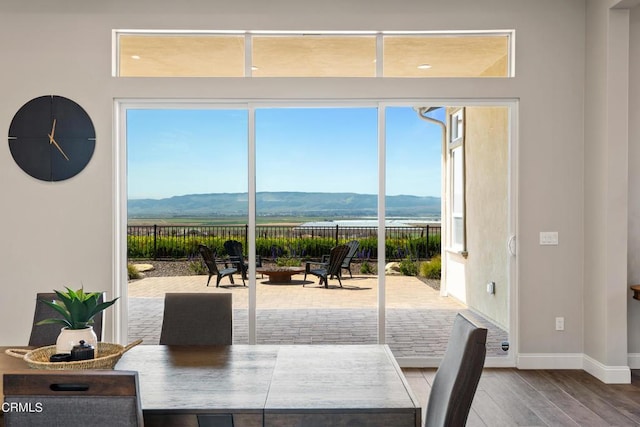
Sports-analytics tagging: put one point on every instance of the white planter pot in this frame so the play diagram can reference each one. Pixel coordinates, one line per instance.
(71, 337)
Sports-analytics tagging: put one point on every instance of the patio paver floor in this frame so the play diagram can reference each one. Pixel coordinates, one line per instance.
(418, 320)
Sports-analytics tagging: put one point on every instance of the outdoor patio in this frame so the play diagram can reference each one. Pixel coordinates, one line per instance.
(418, 320)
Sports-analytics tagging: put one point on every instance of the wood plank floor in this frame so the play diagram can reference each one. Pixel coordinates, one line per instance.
(511, 397)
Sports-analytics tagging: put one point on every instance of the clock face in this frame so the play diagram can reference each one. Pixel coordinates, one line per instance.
(52, 138)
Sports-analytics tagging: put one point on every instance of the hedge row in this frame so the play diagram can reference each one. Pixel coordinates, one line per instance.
(177, 247)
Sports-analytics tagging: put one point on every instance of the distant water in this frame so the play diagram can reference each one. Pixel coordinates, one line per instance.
(399, 222)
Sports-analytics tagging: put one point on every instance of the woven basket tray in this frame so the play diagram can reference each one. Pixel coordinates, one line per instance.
(108, 356)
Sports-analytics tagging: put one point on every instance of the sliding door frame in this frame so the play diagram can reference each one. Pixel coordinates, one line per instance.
(120, 287)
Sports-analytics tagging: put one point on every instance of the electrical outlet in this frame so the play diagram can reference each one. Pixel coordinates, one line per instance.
(549, 238)
(559, 323)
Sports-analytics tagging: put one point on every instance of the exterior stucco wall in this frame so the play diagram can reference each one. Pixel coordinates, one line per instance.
(487, 154)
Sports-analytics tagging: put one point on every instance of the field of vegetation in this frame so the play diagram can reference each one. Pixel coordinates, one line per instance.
(279, 238)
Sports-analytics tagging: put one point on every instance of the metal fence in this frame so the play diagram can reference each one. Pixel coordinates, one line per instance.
(274, 241)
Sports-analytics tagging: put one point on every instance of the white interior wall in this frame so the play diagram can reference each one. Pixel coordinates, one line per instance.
(606, 178)
(633, 255)
(61, 234)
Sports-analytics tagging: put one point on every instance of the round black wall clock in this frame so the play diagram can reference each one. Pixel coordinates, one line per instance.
(52, 138)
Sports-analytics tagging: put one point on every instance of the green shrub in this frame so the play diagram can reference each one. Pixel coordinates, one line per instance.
(408, 267)
(198, 267)
(184, 244)
(433, 245)
(318, 245)
(216, 244)
(431, 269)
(394, 248)
(368, 247)
(366, 268)
(132, 272)
(288, 262)
(273, 248)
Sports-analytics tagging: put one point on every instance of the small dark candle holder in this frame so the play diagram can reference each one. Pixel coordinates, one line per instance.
(60, 357)
(82, 351)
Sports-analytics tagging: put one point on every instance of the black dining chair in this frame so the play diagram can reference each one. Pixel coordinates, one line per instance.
(98, 398)
(458, 375)
(197, 319)
(43, 335)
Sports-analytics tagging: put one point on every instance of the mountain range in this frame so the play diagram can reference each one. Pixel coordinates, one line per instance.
(283, 204)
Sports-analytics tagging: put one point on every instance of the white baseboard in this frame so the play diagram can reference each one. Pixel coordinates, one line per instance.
(606, 374)
(434, 362)
(549, 361)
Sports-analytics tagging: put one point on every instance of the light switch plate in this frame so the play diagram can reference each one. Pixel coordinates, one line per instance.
(548, 237)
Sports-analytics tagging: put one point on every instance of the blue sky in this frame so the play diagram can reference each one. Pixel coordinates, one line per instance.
(176, 152)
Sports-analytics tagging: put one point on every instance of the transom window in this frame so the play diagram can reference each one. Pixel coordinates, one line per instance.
(181, 55)
(317, 54)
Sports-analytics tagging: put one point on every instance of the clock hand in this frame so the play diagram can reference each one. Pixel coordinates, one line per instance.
(53, 141)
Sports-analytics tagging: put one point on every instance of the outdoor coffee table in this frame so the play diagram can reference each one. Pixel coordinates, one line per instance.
(279, 274)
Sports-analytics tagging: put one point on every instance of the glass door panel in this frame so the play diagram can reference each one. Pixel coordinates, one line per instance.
(413, 205)
(448, 253)
(187, 186)
(317, 182)
(478, 274)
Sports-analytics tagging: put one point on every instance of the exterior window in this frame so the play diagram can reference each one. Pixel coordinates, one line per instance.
(456, 128)
(456, 171)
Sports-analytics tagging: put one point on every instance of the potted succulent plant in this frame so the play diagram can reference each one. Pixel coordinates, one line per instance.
(78, 308)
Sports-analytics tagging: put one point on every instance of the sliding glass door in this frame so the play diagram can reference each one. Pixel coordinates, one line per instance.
(317, 186)
(421, 195)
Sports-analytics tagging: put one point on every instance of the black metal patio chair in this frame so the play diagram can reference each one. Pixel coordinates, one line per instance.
(329, 269)
(210, 261)
(346, 264)
(236, 257)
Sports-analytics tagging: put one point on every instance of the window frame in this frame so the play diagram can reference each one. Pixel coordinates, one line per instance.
(248, 48)
(457, 223)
